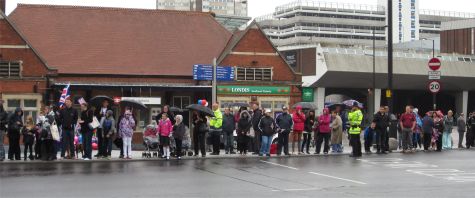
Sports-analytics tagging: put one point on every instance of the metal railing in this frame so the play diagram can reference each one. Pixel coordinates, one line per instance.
(446, 13)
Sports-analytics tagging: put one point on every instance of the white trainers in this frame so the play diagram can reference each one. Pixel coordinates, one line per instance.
(87, 159)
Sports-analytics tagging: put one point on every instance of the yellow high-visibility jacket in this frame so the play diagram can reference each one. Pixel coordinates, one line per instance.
(217, 121)
(355, 118)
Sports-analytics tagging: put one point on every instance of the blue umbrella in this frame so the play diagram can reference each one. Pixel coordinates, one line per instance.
(350, 103)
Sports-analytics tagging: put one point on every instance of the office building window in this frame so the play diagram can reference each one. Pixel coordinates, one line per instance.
(253, 74)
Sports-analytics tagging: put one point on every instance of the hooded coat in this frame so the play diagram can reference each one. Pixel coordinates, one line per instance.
(244, 124)
(3, 118)
(337, 130)
(299, 120)
(15, 122)
(324, 121)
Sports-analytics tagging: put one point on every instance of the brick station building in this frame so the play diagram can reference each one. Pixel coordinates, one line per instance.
(146, 55)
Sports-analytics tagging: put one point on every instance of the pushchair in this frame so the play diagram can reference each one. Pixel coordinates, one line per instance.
(150, 141)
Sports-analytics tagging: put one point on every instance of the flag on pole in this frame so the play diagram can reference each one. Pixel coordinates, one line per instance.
(64, 96)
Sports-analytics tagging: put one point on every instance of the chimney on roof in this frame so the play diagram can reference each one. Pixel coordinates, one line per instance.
(2, 5)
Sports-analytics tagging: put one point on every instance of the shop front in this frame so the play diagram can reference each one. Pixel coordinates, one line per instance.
(269, 97)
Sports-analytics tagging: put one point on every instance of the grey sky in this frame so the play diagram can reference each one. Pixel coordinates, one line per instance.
(256, 7)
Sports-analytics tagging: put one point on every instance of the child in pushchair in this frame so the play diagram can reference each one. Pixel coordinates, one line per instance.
(150, 141)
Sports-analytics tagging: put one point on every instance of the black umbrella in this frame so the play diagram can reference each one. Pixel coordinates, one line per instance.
(133, 104)
(239, 104)
(202, 109)
(335, 105)
(305, 105)
(97, 100)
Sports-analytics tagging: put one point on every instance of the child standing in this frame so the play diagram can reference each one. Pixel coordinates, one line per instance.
(108, 132)
(29, 137)
(165, 127)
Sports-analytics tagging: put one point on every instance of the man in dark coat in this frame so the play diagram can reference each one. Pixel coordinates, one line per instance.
(284, 124)
(15, 123)
(256, 117)
(229, 125)
(68, 118)
(100, 113)
(3, 129)
(381, 127)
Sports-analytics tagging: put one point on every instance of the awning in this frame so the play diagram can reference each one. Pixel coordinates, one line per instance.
(131, 85)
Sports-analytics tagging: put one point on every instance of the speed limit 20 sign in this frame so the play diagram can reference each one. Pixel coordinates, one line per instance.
(434, 86)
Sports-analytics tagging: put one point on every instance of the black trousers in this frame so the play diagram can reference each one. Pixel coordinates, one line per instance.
(243, 143)
(216, 142)
(307, 138)
(28, 146)
(283, 140)
(14, 146)
(355, 144)
(381, 136)
(38, 148)
(439, 142)
(257, 141)
(48, 151)
(102, 150)
(178, 144)
(469, 138)
(323, 137)
(427, 140)
(199, 143)
(369, 141)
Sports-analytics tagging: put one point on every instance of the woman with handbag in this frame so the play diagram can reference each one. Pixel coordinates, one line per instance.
(86, 130)
(15, 124)
(243, 131)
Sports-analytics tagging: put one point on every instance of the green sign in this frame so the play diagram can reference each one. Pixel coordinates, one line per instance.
(252, 90)
(307, 94)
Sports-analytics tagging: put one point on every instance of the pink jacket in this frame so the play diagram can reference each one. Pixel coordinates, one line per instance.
(299, 121)
(165, 127)
(324, 122)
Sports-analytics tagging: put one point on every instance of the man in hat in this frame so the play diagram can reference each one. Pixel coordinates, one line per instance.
(284, 124)
(3, 128)
(355, 117)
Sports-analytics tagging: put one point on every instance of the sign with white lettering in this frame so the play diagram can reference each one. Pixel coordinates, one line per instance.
(144, 100)
(253, 90)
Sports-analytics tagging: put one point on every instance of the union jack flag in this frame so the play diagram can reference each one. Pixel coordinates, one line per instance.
(64, 96)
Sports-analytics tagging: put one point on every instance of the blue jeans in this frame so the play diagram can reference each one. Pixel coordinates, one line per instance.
(228, 141)
(265, 145)
(2, 149)
(67, 142)
(87, 143)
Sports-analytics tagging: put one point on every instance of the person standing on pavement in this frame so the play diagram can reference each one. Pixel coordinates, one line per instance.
(267, 126)
(244, 126)
(416, 136)
(28, 133)
(368, 137)
(299, 126)
(68, 118)
(15, 124)
(284, 124)
(165, 128)
(439, 129)
(324, 131)
(256, 117)
(407, 123)
(470, 137)
(108, 134)
(86, 130)
(47, 147)
(200, 130)
(179, 130)
(355, 117)
(337, 132)
(3, 129)
(381, 126)
(449, 124)
(307, 133)
(216, 129)
(229, 125)
(101, 113)
(126, 131)
(427, 129)
(461, 128)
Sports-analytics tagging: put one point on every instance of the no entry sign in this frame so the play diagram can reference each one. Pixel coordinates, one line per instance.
(434, 64)
(434, 86)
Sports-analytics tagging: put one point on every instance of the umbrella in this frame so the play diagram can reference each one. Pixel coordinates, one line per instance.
(97, 100)
(305, 105)
(133, 104)
(333, 106)
(200, 108)
(349, 103)
(239, 104)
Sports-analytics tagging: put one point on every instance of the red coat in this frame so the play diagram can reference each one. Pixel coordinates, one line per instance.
(299, 121)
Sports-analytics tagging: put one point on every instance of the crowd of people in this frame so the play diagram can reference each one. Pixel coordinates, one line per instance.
(255, 130)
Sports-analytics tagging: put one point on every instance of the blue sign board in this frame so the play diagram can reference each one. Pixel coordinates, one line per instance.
(205, 72)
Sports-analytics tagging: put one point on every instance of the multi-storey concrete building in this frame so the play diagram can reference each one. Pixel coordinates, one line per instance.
(338, 24)
(220, 7)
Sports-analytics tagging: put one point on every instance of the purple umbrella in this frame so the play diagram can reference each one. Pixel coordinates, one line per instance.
(349, 103)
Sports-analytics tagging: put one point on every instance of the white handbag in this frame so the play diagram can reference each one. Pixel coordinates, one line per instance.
(95, 123)
(55, 131)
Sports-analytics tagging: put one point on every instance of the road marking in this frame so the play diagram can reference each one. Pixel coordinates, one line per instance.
(293, 168)
(348, 180)
(301, 189)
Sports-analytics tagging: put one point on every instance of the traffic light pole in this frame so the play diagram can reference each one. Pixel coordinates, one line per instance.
(390, 95)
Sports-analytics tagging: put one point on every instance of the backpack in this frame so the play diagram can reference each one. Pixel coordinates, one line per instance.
(107, 125)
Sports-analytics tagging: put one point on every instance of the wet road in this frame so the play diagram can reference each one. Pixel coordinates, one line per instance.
(447, 174)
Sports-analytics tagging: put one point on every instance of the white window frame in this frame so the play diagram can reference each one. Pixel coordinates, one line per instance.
(22, 98)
